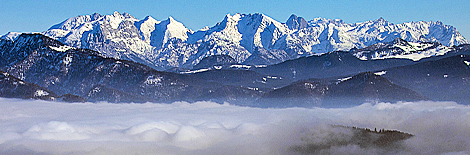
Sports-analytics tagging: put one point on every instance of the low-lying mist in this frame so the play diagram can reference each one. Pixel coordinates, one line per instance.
(42, 127)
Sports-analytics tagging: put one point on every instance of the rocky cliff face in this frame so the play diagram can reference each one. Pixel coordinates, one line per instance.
(296, 23)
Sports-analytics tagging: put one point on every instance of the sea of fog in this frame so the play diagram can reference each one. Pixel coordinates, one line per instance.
(42, 127)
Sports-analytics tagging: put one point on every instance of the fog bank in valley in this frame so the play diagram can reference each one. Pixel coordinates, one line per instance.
(42, 127)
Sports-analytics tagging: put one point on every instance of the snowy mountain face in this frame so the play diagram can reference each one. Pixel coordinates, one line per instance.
(119, 35)
(253, 39)
(400, 48)
(325, 35)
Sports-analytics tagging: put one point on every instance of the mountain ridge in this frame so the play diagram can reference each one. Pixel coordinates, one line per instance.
(254, 39)
(77, 71)
(346, 92)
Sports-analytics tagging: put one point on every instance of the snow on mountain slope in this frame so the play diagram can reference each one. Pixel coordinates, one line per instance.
(166, 30)
(119, 35)
(254, 39)
(259, 30)
(113, 35)
(146, 27)
(239, 36)
(10, 36)
(325, 35)
(247, 30)
(400, 48)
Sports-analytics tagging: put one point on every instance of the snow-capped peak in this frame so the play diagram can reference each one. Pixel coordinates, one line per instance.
(146, 27)
(227, 30)
(380, 20)
(116, 19)
(171, 19)
(116, 13)
(258, 30)
(75, 27)
(236, 17)
(76, 22)
(11, 36)
(177, 29)
(169, 29)
(295, 23)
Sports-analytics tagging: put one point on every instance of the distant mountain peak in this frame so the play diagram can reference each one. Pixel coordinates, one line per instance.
(295, 22)
(147, 18)
(381, 19)
(379, 22)
(235, 17)
(167, 30)
(116, 13)
(11, 36)
(171, 19)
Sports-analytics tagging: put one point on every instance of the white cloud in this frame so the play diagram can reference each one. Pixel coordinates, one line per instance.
(42, 127)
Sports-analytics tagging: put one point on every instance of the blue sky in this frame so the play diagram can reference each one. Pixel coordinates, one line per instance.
(34, 15)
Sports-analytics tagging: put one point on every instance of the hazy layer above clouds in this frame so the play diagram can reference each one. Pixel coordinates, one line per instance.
(41, 127)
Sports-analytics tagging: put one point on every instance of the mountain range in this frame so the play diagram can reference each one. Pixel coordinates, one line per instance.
(252, 39)
(118, 58)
